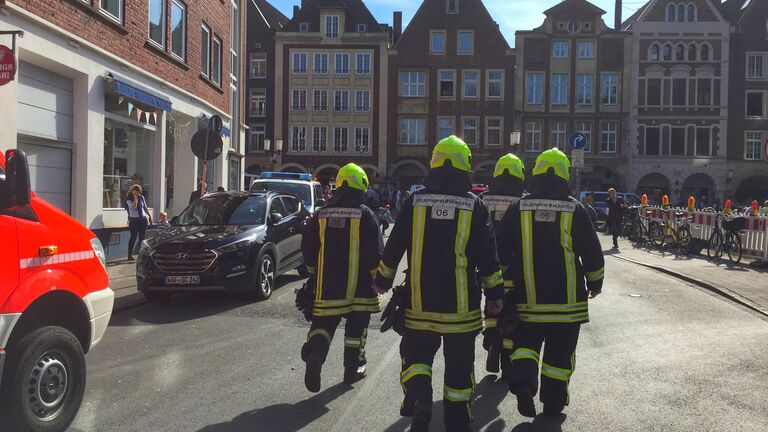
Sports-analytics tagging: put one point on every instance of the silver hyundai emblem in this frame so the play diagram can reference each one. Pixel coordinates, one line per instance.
(182, 256)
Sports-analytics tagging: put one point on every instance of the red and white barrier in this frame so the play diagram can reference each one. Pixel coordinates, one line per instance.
(754, 238)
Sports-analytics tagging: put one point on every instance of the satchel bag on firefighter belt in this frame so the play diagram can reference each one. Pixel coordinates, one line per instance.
(393, 316)
(305, 298)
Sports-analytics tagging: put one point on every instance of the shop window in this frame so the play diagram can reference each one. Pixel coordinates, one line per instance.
(129, 155)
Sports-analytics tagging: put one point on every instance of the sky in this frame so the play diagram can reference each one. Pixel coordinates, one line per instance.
(512, 15)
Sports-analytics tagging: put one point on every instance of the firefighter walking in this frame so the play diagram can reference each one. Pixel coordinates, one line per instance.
(505, 190)
(555, 262)
(341, 248)
(447, 233)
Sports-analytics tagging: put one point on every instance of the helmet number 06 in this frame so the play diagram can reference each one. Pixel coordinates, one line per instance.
(443, 212)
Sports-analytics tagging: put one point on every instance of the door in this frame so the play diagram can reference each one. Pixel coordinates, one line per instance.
(277, 231)
(9, 257)
(294, 221)
(50, 173)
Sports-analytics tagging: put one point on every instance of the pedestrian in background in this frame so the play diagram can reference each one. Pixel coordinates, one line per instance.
(616, 206)
(139, 218)
(385, 218)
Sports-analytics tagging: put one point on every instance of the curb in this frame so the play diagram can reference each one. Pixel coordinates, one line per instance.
(129, 301)
(724, 292)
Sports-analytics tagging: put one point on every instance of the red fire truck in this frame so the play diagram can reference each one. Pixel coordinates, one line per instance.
(55, 304)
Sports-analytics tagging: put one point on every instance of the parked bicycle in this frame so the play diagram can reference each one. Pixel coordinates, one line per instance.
(677, 234)
(729, 241)
(636, 226)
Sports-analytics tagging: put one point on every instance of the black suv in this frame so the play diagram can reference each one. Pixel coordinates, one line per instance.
(232, 241)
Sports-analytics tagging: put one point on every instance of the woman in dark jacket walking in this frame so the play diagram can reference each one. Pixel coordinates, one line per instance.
(616, 206)
(138, 217)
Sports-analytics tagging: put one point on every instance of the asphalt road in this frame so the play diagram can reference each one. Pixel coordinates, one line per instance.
(659, 355)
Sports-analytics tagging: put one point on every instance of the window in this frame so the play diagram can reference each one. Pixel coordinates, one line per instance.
(299, 100)
(705, 52)
(653, 97)
(258, 66)
(412, 131)
(691, 13)
(258, 105)
(608, 136)
(113, 9)
(234, 48)
(332, 27)
(586, 49)
(452, 6)
(680, 13)
(534, 88)
(755, 66)
(667, 52)
(304, 27)
(703, 142)
(341, 100)
(494, 84)
(584, 86)
(679, 52)
(319, 139)
(652, 141)
(704, 92)
(470, 81)
(469, 131)
(585, 127)
(179, 30)
(437, 42)
(755, 104)
(299, 63)
(340, 139)
(559, 49)
(320, 64)
(653, 55)
(557, 130)
(299, 139)
(412, 83)
(753, 147)
(129, 153)
(362, 101)
(205, 51)
(157, 22)
(341, 64)
(320, 100)
(533, 136)
(362, 28)
(677, 141)
(574, 26)
(609, 90)
(559, 89)
(679, 92)
(466, 42)
(256, 143)
(447, 84)
(493, 129)
(671, 13)
(444, 127)
(691, 52)
(216, 61)
(362, 140)
(363, 64)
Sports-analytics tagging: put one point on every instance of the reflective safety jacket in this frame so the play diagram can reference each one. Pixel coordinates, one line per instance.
(450, 242)
(342, 248)
(497, 206)
(548, 248)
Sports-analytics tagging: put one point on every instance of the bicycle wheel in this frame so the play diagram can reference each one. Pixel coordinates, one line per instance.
(656, 234)
(637, 232)
(714, 245)
(684, 236)
(733, 246)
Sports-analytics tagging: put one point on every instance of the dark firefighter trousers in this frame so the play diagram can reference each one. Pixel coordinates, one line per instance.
(557, 364)
(417, 350)
(355, 333)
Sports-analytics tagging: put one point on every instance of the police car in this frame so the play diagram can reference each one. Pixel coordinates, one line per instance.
(300, 185)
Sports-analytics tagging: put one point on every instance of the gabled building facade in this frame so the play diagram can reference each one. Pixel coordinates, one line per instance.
(263, 22)
(747, 175)
(680, 96)
(451, 72)
(574, 75)
(330, 79)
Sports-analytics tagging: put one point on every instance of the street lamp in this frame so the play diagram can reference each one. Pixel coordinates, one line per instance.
(514, 140)
(273, 153)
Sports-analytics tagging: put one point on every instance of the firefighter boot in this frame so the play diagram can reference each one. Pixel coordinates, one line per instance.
(422, 414)
(353, 375)
(525, 405)
(553, 409)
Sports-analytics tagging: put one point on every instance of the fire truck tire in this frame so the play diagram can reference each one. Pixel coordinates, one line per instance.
(45, 381)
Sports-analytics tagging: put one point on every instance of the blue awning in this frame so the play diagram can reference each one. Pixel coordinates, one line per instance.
(139, 93)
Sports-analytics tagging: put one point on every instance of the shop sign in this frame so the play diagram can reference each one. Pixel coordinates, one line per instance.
(7, 65)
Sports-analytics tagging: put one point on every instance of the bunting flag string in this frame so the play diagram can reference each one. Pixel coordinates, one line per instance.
(154, 116)
(120, 100)
(139, 113)
(130, 109)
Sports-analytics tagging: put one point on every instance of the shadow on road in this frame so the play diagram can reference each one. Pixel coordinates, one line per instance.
(282, 417)
(542, 423)
(190, 306)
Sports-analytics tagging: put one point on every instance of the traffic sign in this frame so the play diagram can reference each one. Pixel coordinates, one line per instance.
(577, 158)
(577, 140)
(7, 65)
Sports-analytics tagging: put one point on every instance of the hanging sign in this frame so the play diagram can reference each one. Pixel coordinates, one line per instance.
(7, 65)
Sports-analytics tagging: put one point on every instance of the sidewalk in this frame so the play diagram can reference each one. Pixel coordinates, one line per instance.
(741, 283)
(122, 280)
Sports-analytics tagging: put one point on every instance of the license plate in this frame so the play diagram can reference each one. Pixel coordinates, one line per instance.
(182, 280)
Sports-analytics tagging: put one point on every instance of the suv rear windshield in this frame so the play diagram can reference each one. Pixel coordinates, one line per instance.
(299, 190)
(225, 210)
